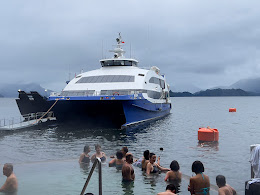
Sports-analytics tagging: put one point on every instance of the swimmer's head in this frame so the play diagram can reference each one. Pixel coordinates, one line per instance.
(174, 165)
(97, 147)
(86, 149)
(119, 154)
(129, 158)
(152, 157)
(171, 187)
(146, 154)
(197, 167)
(221, 180)
(124, 150)
(8, 169)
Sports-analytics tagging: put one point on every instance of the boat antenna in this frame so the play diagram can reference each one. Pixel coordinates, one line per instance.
(102, 49)
(130, 50)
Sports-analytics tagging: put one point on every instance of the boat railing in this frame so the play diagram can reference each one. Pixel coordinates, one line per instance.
(26, 118)
(97, 162)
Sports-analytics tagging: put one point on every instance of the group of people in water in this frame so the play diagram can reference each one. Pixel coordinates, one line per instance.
(199, 184)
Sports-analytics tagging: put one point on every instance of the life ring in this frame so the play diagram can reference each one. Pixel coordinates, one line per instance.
(115, 93)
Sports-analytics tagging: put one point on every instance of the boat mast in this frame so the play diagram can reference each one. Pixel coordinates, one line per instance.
(118, 51)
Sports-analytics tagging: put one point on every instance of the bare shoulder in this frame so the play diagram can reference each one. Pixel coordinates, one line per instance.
(12, 178)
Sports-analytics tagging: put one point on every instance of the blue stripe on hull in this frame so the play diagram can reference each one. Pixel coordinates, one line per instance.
(137, 111)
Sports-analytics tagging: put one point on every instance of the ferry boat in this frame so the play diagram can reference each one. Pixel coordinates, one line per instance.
(119, 94)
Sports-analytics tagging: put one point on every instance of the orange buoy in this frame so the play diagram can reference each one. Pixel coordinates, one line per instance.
(208, 134)
(232, 109)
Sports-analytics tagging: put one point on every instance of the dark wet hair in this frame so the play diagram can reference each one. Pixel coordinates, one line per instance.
(174, 165)
(97, 146)
(127, 157)
(221, 180)
(119, 154)
(151, 154)
(86, 148)
(9, 166)
(125, 149)
(146, 154)
(197, 167)
(171, 187)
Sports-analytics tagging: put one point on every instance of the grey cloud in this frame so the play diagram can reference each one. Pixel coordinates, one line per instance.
(185, 39)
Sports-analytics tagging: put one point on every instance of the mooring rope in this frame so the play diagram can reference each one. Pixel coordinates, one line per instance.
(37, 120)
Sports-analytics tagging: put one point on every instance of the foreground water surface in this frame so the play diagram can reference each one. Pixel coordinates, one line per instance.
(46, 160)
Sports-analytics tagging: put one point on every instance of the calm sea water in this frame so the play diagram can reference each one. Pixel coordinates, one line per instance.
(46, 161)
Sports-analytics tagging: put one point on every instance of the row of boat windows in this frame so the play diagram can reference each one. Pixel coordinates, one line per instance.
(107, 79)
(151, 94)
(118, 63)
(157, 81)
(117, 78)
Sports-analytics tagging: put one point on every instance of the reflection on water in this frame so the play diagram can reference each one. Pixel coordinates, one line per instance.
(151, 179)
(209, 145)
(128, 187)
(84, 168)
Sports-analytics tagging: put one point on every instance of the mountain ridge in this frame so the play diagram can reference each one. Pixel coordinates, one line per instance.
(11, 90)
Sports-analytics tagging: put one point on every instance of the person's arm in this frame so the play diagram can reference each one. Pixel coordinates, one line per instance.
(104, 155)
(162, 168)
(81, 158)
(112, 163)
(191, 186)
(166, 176)
(93, 157)
(8, 185)
(133, 175)
(234, 191)
(148, 168)
(158, 160)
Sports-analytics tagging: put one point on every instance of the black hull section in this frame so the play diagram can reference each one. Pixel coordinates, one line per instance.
(31, 103)
(92, 113)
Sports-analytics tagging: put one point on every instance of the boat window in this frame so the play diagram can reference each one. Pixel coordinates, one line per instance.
(118, 63)
(157, 81)
(78, 93)
(128, 63)
(107, 79)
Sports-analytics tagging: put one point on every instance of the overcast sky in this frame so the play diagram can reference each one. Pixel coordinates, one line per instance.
(205, 43)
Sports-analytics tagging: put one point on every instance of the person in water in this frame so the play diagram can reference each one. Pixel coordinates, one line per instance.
(118, 161)
(199, 184)
(145, 160)
(124, 151)
(153, 167)
(170, 190)
(11, 184)
(128, 173)
(174, 174)
(84, 157)
(98, 154)
(224, 189)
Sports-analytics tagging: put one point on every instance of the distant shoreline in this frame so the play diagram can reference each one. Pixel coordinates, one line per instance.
(214, 93)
